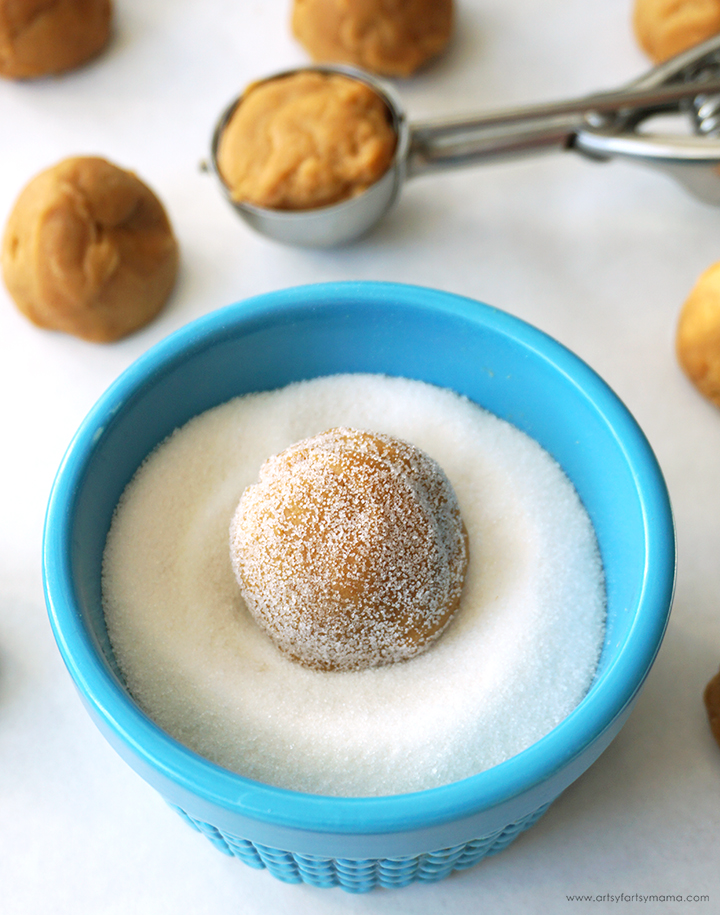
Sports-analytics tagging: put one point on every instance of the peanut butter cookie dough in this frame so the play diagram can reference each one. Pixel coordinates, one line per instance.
(698, 335)
(89, 250)
(305, 140)
(389, 37)
(664, 28)
(46, 37)
(711, 697)
(350, 551)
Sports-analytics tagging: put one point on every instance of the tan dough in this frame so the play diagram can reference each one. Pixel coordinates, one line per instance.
(88, 250)
(664, 28)
(45, 37)
(711, 697)
(350, 551)
(305, 140)
(389, 37)
(698, 335)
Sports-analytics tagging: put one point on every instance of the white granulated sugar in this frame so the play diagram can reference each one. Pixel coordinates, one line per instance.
(516, 659)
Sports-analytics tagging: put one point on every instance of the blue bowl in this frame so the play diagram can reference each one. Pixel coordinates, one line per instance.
(501, 363)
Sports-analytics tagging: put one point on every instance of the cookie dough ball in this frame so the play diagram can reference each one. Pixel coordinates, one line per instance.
(698, 335)
(389, 37)
(305, 140)
(711, 697)
(45, 37)
(350, 551)
(88, 250)
(664, 28)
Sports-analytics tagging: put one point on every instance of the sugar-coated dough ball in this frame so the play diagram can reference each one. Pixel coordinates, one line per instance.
(664, 28)
(305, 140)
(698, 335)
(389, 37)
(350, 551)
(88, 250)
(44, 37)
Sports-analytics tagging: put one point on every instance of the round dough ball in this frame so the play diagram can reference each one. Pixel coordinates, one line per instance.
(698, 335)
(88, 250)
(45, 37)
(711, 697)
(350, 551)
(305, 140)
(664, 28)
(389, 37)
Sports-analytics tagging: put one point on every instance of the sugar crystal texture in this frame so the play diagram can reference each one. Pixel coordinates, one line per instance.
(518, 656)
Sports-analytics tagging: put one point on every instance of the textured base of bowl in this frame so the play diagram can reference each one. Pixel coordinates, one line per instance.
(360, 875)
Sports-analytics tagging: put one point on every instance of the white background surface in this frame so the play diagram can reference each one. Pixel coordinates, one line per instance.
(600, 256)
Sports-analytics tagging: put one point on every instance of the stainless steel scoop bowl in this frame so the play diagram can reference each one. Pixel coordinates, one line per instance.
(339, 223)
(602, 126)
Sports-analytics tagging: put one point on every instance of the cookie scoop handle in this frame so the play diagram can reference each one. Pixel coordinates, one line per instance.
(443, 144)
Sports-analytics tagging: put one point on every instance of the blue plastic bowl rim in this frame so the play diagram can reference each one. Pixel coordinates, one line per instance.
(610, 695)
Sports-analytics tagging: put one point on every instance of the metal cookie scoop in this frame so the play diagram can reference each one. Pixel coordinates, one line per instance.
(602, 126)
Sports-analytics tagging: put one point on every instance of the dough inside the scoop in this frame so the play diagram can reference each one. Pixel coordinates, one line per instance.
(350, 551)
(89, 250)
(305, 140)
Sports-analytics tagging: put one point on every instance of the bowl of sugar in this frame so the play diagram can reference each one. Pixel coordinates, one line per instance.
(409, 768)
